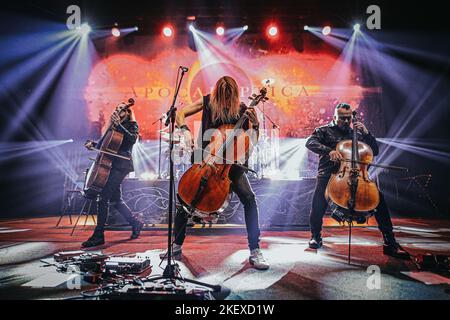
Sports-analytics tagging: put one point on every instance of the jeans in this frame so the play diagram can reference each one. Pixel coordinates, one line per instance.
(112, 194)
(319, 206)
(241, 186)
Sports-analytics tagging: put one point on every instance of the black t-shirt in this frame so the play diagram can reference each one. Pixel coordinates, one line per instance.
(207, 123)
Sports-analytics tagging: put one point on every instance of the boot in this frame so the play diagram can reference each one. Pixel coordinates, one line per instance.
(392, 248)
(316, 241)
(136, 228)
(136, 225)
(97, 239)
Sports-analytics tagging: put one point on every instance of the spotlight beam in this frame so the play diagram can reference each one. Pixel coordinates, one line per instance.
(24, 110)
(20, 149)
(430, 152)
(234, 33)
(335, 41)
(35, 62)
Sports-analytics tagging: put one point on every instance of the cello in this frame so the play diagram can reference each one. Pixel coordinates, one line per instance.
(205, 188)
(351, 188)
(98, 173)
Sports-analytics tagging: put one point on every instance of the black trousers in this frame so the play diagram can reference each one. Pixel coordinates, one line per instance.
(319, 206)
(112, 194)
(241, 186)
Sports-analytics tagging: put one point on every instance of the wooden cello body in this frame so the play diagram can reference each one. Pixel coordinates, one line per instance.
(210, 178)
(205, 188)
(98, 173)
(351, 188)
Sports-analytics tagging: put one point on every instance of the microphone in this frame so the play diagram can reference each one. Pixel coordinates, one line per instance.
(184, 69)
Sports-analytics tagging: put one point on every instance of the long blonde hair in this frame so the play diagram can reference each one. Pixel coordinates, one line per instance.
(225, 104)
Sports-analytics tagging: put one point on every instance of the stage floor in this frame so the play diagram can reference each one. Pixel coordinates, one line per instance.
(296, 272)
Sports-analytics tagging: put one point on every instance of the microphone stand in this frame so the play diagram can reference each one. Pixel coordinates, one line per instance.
(171, 270)
(274, 126)
(264, 141)
(160, 145)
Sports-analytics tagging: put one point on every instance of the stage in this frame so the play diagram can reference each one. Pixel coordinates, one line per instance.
(221, 257)
(258, 118)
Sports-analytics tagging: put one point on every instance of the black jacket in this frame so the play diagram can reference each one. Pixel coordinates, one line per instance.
(324, 139)
(130, 132)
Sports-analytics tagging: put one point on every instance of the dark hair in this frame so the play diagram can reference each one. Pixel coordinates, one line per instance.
(344, 105)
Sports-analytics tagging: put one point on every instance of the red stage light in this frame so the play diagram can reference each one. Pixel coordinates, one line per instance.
(115, 32)
(167, 31)
(220, 31)
(272, 31)
(326, 30)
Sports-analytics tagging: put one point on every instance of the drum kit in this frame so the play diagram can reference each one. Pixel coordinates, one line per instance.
(263, 161)
(182, 153)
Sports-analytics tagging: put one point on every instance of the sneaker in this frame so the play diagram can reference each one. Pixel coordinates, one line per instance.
(315, 242)
(136, 229)
(93, 241)
(257, 260)
(176, 252)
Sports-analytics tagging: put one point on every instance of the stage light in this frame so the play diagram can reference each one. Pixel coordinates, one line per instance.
(220, 31)
(272, 31)
(115, 32)
(245, 27)
(306, 28)
(326, 30)
(191, 28)
(84, 29)
(357, 27)
(167, 31)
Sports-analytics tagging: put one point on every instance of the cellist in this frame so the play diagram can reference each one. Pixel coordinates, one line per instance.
(222, 106)
(323, 142)
(125, 123)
